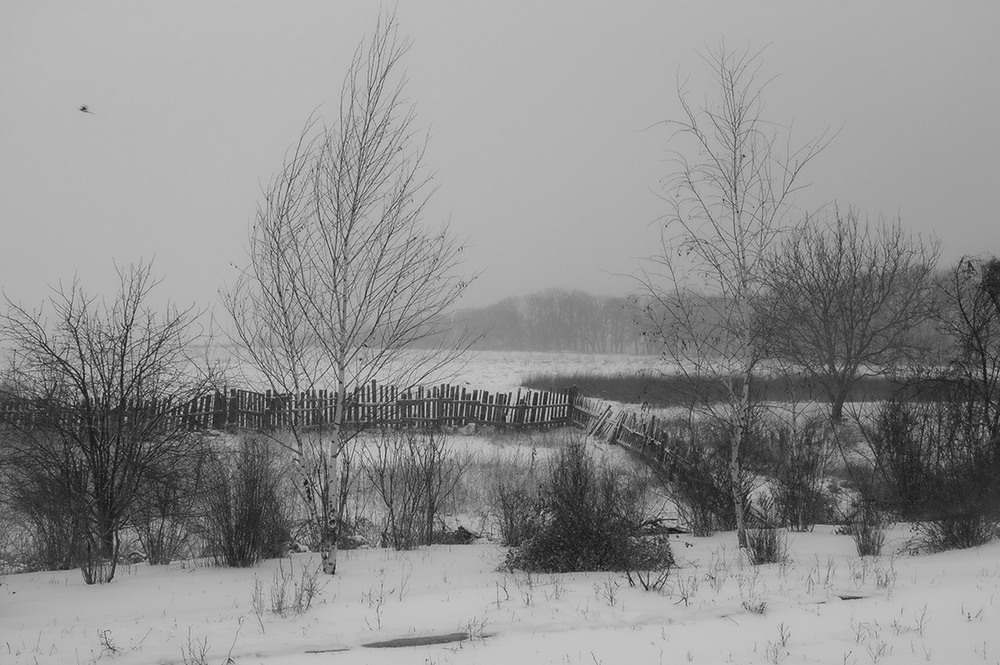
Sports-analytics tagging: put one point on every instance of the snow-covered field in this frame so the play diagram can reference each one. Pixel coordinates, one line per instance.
(504, 370)
(496, 371)
(825, 606)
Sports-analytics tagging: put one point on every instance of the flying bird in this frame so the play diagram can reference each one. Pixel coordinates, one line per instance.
(86, 110)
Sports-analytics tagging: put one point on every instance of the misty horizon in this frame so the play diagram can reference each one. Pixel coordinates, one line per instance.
(545, 128)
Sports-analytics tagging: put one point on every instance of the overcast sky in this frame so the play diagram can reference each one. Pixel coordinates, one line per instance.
(542, 119)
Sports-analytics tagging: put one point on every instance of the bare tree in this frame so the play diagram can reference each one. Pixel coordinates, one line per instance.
(344, 280)
(969, 313)
(848, 300)
(727, 204)
(96, 381)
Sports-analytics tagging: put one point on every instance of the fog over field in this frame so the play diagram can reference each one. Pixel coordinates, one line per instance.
(542, 118)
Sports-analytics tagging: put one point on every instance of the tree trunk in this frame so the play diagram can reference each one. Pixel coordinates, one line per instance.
(328, 554)
(331, 513)
(101, 558)
(430, 503)
(742, 428)
(837, 398)
(734, 476)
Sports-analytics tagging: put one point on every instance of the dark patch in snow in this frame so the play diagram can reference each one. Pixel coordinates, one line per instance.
(422, 640)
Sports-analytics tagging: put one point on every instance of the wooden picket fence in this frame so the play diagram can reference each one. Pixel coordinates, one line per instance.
(374, 404)
(371, 404)
(433, 407)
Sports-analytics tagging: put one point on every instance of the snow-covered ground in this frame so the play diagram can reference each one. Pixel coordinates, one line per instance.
(825, 606)
(505, 370)
(495, 371)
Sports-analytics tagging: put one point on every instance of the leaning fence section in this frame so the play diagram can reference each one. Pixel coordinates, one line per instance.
(655, 439)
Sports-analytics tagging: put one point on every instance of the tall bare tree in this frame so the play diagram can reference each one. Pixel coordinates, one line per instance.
(969, 313)
(728, 198)
(343, 278)
(96, 381)
(849, 300)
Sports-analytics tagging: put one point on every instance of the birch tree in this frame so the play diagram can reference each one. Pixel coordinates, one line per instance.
(343, 277)
(727, 197)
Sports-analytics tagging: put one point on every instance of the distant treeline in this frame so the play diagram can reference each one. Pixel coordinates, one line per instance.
(557, 320)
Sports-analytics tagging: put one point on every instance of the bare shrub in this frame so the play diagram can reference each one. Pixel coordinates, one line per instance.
(47, 507)
(590, 520)
(95, 382)
(766, 542)
(513, 496)
(195, 651)
(798, 458)
(956, 532)
(766, 545)
(938, 468)
(969, 314)
(414, 473)
(515, 506)
(166, 514)
(697, 476)
(16, 544)
(650, 562)
(246, 521)
(291, 593)
(867, 527)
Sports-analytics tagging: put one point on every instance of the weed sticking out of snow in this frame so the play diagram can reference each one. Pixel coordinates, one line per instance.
(684, 588)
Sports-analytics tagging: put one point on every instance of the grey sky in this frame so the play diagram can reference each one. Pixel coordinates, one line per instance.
(541, 116)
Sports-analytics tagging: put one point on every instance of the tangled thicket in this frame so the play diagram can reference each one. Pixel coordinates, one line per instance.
(936, 467)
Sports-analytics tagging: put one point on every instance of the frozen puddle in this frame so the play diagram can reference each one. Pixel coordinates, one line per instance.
(420, 641)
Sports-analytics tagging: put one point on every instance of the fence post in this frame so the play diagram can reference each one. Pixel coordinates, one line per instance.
(233, 415)
(440, 407)
(571, 405)
(267, 415)
(219, 415)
